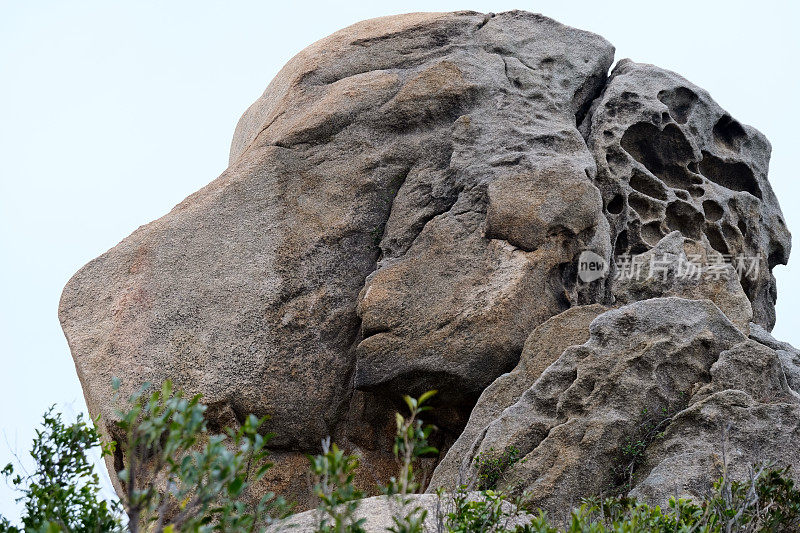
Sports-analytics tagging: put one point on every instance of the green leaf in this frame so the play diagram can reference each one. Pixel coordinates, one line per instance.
(426, 396)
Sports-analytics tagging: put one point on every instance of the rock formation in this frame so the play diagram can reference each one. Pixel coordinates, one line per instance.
(669, 158)
(670, 367)
(405, 209)
(377, 513)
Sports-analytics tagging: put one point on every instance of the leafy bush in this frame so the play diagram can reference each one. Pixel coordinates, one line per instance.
(489, 511)
(166, 437)
(204, 481)
(411, 443)
(491, 466)
(633, 450)
(767, 502)
(334, 472)
(63, 492)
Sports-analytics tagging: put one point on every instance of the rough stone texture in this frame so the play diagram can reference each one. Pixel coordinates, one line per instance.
(378, 511)
(676, 364)
(788, 355)
(571, 424)
(745, 417)
(543, 346)
(669, 158)
(404, 210)
(389, 222)
(458, 287)
(657, 274)
(667, 270)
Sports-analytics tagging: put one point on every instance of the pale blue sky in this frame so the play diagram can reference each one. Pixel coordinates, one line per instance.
(112, 112)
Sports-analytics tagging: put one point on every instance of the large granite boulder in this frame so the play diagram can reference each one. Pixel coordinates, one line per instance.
(672, 376)
(406, 208)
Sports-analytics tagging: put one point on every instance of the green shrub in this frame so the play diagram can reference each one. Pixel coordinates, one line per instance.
(411, 443)
(205, 480)
(491, 466)
(767, 502)
(632, 454)
(63, 491)
(334, 472)
(165, 436)
(489, 511)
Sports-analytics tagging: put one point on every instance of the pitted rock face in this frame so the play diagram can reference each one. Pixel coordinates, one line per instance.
(670, 159)
(546, 343)
(404, 205)
(672, 367)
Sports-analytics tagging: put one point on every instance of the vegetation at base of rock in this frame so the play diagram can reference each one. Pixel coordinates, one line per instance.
(206, 478)
(767, 502)
(411, 443)
(491, 512)
(206, 475)
(333, 472)
(491, 467)
(633, 451)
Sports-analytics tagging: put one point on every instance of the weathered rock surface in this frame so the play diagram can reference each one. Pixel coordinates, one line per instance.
(388, 222)
(669, 158)
(747, 416)
(405, 209)
(655, 273)
(788, 354)
(678, 266)
(377, 513)
(544, 345)
(673, 373)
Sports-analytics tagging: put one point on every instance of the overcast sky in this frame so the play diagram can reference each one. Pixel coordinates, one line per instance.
(113, 112)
